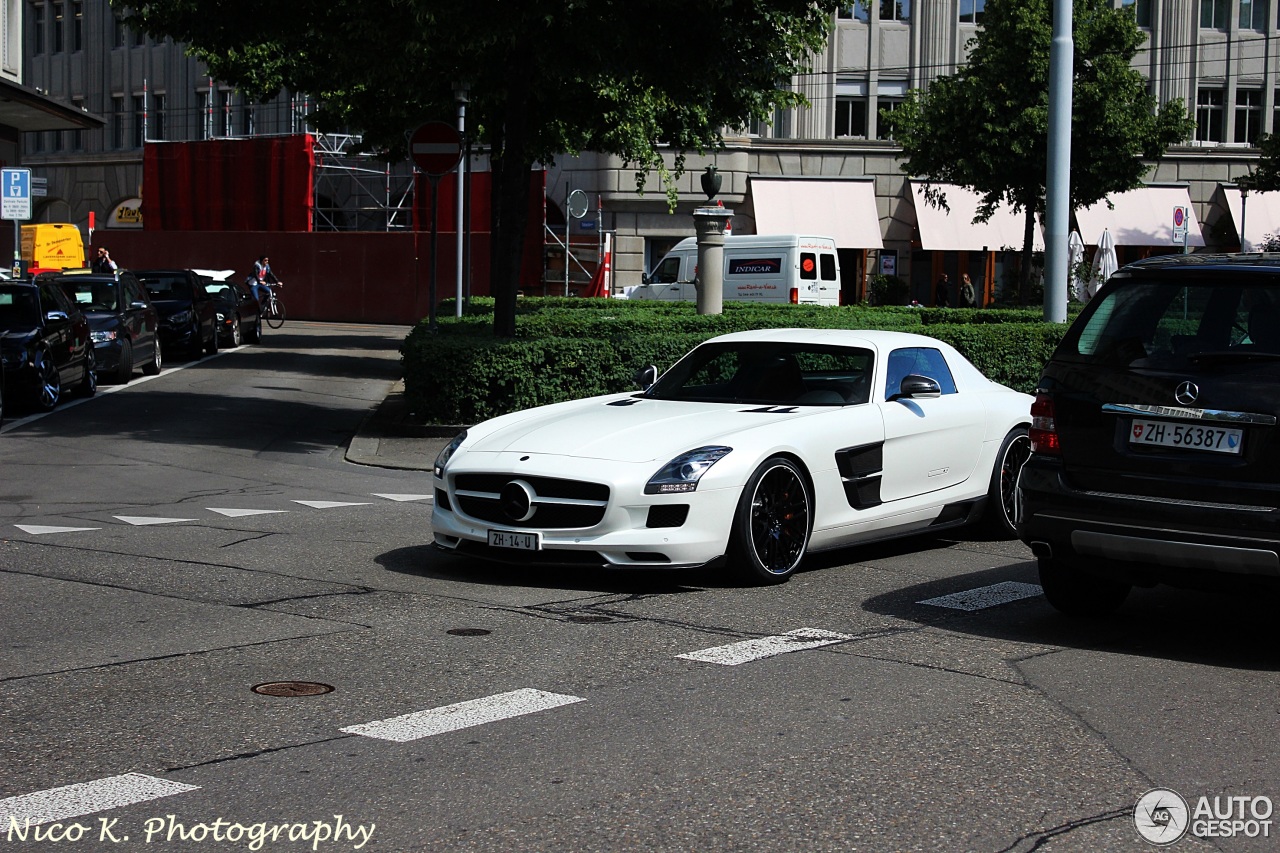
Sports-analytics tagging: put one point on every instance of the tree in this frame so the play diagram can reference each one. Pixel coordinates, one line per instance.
(546, 77)
(987, 126)
(1265, 178)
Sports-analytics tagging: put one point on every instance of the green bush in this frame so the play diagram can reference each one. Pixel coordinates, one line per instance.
(567, 348)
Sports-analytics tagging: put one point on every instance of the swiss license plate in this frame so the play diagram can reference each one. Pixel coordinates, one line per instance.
(518, 541)
(1188, 436)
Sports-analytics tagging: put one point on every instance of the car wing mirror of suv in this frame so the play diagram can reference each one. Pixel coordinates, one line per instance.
(914, 386)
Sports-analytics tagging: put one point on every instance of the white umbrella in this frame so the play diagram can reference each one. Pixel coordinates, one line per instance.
(1075, 254)
(1104, 262)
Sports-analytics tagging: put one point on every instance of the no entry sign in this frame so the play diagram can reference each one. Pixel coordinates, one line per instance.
(435, 147)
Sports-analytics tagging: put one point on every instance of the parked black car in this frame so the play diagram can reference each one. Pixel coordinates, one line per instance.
(1155, 446)
(123, 324)
(239, 316)
(188, 315)
(44, 344)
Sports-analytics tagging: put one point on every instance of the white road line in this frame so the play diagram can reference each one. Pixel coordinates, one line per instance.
(403, 497)
(144, 520)
(231, 512)
(86, 798)
(330, 504)
(765, 647)
(474, 712)
(41, 529)
(986, 596)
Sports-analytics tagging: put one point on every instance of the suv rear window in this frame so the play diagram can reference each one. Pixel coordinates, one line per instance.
(1158, 323)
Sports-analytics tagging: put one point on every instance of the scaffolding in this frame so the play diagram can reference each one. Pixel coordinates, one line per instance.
(359, 192)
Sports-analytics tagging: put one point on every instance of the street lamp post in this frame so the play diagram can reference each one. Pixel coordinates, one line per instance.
(460, 94)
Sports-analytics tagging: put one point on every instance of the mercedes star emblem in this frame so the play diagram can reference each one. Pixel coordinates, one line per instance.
(1187, 393)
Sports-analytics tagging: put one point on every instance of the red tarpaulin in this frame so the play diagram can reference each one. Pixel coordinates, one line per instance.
(257, 184)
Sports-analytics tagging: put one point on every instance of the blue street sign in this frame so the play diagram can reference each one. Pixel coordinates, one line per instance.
(15, 193)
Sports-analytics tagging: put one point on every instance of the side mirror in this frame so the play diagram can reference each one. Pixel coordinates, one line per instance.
(57, 317)
(644, 278)
(646, 376)
(916, 386)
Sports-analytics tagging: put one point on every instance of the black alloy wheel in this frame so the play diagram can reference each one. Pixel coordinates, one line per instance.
(48, 389)
(124, 372)
(237, 337)
(89, 382)
(154, 366)
(1001, 515)
(211, 346)
(771, 528)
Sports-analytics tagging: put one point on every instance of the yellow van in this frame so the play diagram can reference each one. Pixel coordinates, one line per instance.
(51, 246)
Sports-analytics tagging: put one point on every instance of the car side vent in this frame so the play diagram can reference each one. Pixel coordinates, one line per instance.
(772, 410)
(442, 500)
(630, 401)
(668, 515)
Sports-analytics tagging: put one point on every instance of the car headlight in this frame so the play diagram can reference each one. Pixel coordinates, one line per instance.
(102, 337)
(222, 318)
(682, 473)
(181, 318)
(447, 454)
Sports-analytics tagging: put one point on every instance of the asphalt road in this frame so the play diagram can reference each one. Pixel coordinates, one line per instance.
(168, 546)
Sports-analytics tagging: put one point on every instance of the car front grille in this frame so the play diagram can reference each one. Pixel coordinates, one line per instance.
(545, 503)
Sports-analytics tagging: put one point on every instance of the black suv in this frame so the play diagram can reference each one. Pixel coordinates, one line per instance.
(1155, 449)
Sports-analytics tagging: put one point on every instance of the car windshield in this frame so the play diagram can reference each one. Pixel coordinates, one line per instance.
(1166, 324)
(769, 373)
(167, 286)
(91, 295)
(18, 308)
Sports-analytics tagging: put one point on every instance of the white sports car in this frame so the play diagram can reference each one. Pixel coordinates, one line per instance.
(756, 447)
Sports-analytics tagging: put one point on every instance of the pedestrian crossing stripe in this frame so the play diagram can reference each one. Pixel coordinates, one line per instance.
(41, 529)
(329, 504)
(143, 520)
(402, 497)
(237, 513)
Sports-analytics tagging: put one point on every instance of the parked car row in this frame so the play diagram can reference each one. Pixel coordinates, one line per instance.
(66, 330)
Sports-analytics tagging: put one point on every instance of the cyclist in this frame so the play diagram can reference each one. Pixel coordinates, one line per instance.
(262, 278)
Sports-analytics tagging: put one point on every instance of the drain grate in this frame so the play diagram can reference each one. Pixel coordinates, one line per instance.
(292, 688)
(468, 632)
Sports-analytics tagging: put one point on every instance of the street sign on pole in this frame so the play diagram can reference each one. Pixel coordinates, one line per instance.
(1180, 214)
(436, 148)
(16, 200)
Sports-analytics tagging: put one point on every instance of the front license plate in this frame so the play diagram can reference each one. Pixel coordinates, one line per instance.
(518, 541)
(1187, 436)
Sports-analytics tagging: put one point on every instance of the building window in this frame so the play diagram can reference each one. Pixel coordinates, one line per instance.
(857, 11)
(1142, 10)
(36, 141)
(971, 11)
(1209, 116)
(139, 38)
(1248, 115)
(1253, 15)
(781, 123)
(851, 117)
(1213, 14)
(899, 10)
(37, 29)
(226, 127)
(139, 120)
(57, 140)
(77, 26)
(59, 16)
(884, 127)
(157, 118)
(246, 119)
(118, 119)
(119, 34)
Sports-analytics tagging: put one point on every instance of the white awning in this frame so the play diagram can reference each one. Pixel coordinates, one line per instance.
(954, 230)
(1260, 215)
(1141, 217)
(829, 207)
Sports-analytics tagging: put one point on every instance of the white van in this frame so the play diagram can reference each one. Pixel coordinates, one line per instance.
(793, 268)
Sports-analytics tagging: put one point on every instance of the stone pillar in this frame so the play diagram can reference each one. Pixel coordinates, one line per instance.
(709, 223)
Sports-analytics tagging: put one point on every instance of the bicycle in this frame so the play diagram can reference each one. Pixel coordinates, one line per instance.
(273, 310)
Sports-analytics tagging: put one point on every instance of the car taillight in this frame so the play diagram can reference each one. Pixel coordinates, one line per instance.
(1044, 429)
(795, 296)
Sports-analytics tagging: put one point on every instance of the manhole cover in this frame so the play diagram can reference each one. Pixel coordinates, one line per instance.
(467, 632)
(292, 688)
(586, 618)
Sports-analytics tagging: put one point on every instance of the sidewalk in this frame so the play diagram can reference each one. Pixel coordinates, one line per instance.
(390, 438)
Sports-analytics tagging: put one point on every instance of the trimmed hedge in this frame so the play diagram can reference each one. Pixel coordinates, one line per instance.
(566, 348)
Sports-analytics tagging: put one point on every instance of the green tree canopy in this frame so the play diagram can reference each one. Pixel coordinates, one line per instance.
(987, 126)
(546, 77)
